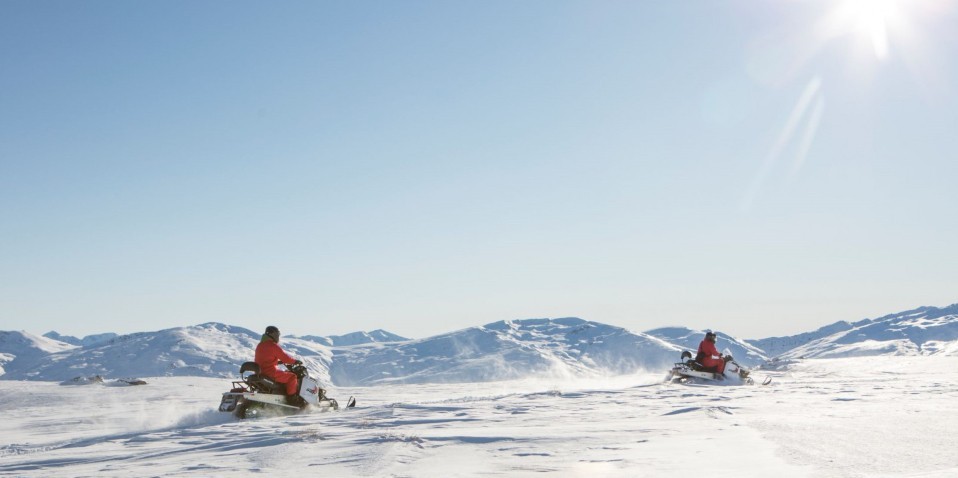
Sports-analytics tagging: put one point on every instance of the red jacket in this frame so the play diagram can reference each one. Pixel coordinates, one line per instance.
(707, 350)
(269, 355)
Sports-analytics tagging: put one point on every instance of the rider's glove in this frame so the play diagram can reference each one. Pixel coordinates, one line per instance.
(298, 362)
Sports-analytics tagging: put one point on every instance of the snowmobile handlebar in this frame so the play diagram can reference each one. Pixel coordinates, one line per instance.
(297, 367)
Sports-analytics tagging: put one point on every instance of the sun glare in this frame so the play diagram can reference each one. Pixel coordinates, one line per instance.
(871, 19)
(911, 32)
(903, 32)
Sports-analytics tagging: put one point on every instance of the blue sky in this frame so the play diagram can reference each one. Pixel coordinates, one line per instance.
(757, 167)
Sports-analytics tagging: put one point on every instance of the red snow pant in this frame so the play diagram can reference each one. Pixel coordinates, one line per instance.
(713, 365)
(286, 378)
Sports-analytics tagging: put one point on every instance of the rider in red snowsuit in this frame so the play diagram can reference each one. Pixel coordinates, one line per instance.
(709, 356)
(269, 355)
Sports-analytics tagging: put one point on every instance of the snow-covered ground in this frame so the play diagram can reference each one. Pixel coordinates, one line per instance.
(867, 417)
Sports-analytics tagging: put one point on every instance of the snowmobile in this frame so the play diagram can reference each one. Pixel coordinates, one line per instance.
(255, 394)
(690, 371)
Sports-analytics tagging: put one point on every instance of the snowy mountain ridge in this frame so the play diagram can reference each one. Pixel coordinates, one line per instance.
(921, 331)
(210, 349)
(355, 338)
(501, 350)
(745, 353)
(506, 350)
(776, 346)
(27, 347)
(85, 341)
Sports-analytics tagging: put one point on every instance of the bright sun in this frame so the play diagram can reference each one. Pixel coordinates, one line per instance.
(871, 19)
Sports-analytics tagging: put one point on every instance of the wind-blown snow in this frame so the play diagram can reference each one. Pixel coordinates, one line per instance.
(856, 417)
(506, 350)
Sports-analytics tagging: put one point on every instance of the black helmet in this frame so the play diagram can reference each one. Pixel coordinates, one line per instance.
(273, 332)
(709, 333)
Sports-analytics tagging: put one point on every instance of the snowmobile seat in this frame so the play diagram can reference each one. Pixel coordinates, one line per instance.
(690, 362)
(249, 367)
(257, 382)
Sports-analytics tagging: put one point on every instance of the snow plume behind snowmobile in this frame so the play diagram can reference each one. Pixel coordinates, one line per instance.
(256, 395)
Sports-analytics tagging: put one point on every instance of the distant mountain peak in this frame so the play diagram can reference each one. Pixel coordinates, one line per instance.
(20, 349)
(355, 338)
(22, 341)
(921, 331)
(539, 322)
(85, 341)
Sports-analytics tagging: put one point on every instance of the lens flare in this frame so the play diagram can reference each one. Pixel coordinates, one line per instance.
(811, 93)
